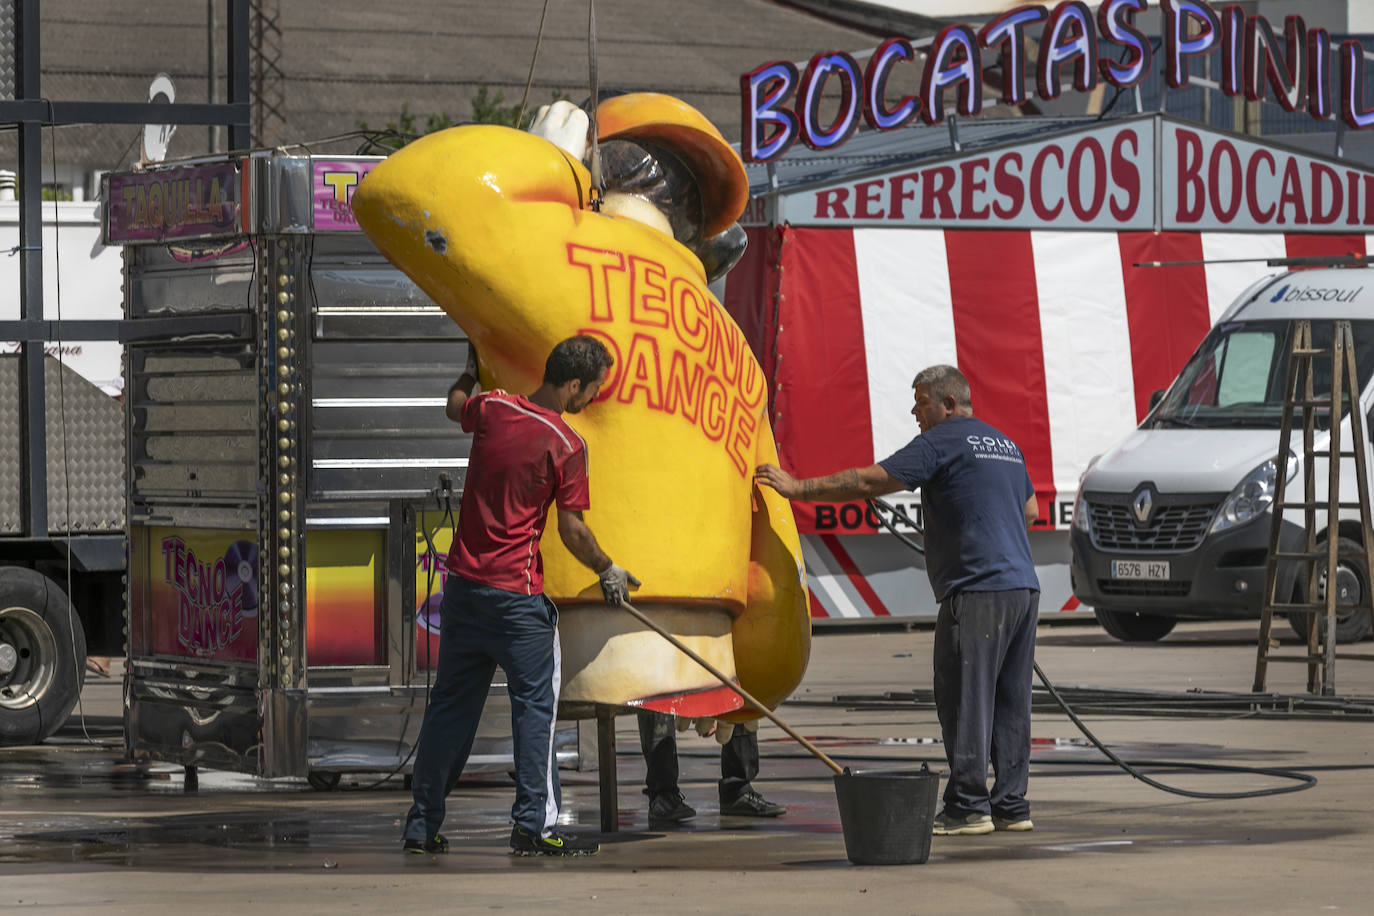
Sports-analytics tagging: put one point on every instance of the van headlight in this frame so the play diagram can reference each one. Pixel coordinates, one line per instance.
(1080, 505)
(1252, 496)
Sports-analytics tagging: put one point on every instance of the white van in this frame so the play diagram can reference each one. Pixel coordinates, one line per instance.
(1173, 522)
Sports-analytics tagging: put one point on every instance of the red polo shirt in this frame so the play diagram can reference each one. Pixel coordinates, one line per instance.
(523, 458)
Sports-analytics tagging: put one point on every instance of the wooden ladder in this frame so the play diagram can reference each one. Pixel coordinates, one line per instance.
(1321, 652)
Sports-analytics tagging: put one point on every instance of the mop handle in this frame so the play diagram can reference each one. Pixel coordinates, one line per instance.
(744, 694)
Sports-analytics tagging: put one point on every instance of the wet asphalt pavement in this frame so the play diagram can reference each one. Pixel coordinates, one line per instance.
(83, 830)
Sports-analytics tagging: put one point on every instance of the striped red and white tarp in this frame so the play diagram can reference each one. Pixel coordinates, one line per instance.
(1062, 338)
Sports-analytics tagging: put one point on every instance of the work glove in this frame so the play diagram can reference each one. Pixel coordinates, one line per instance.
(616, 584)
(564, 125)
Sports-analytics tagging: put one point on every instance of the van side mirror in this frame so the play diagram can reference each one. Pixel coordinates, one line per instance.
(1156, 397)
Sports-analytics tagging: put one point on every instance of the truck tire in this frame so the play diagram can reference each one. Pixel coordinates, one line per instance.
(1132, 626)
(1352, 580)
(42, 656)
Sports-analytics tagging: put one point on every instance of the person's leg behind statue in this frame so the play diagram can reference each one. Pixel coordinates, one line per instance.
(658, 743)
(739, 765)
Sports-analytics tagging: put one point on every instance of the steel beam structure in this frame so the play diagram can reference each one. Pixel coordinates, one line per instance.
(29, 111)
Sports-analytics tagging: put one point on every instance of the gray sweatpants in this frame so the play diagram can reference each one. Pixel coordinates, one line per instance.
(984, 660)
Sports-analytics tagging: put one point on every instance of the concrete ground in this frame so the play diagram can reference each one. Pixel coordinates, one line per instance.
(81, 831)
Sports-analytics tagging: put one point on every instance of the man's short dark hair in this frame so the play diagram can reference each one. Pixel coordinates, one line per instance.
(945, 382)
(582, 357)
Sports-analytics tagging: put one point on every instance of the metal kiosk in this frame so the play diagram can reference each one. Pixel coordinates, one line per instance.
(291, 475)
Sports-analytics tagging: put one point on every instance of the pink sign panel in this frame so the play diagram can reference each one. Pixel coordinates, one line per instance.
(332, 183)
(165, 204)
(203, 593)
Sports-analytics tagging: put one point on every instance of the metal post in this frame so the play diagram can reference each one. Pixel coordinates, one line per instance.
(33, 459)
(605, 758)
(238, 70)
(212, 66)
(1333, 503)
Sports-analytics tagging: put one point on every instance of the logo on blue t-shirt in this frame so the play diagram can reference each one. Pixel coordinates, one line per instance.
(996, 448)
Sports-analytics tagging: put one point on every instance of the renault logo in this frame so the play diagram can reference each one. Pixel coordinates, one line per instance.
(1141, 506)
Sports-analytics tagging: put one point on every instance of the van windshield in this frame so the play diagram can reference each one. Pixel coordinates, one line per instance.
(1236, 377)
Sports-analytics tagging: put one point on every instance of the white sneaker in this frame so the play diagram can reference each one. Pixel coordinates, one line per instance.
(1012, 824)
(962, 824)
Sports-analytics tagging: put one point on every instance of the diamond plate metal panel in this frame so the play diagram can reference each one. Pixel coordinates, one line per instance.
(11, 515)
(85, 429)
(9, 59)
(85, 454)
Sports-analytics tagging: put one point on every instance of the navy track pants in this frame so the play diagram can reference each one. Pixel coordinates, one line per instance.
(482, 627)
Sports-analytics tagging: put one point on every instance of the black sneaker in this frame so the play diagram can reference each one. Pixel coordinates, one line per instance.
(670, 807)
(524, 843)
(751, 804)
(417, 847)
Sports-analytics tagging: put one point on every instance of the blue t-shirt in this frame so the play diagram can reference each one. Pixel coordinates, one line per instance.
(974, 489)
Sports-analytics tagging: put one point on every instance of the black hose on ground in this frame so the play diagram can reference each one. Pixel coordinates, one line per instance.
(1300, 780)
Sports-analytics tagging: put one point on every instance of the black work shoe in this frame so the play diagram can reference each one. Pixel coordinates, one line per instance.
(436, 845)
(670, 807)
(524, 843)
(751, 804)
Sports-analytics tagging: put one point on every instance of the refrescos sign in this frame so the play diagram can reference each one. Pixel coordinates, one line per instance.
(1144, 173)
(1099, 178)
(781, 105)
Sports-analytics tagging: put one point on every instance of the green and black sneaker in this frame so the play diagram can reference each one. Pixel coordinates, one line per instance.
(436, 845)
(525, 843)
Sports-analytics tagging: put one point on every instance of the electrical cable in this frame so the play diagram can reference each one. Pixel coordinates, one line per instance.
(1301, 780)
(538, 40)
(73, 619)
(1162, 764)
(432, 567)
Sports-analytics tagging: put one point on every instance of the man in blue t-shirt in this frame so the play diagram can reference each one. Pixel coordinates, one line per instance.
(978, 502)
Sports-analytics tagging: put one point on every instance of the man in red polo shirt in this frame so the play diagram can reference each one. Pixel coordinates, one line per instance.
(524, 458)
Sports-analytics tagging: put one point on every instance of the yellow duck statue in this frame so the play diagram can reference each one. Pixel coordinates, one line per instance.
(500, 228)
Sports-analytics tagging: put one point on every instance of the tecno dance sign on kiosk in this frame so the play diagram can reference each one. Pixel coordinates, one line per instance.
(1107, 177)
(781, 105)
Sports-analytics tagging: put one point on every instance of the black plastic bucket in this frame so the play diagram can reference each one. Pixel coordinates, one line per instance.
(887, 815)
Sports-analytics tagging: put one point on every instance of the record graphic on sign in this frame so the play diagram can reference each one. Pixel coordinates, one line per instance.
(428, 618)
(241, 567)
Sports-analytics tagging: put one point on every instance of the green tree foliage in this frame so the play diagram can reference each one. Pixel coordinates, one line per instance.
(488, 107)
